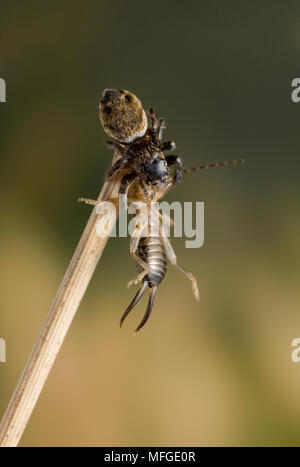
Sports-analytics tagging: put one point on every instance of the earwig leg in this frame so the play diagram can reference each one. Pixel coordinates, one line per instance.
(135, 239)
(166, 219)
(140, 276)
(173, 260)
(192, 279)
(163, 191)
(143, 273)
(93, 202)
(136, 299)
(133, 247)
(149, 309)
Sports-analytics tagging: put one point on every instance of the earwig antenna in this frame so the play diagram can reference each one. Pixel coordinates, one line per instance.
(213, 165)
(149, 309)
(136, 299)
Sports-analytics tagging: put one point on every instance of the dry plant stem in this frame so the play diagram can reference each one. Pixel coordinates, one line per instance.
(58, 321)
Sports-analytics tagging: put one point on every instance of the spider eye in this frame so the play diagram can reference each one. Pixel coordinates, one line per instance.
(128, 98)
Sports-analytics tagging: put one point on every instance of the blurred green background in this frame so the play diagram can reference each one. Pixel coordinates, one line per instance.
(215, 373)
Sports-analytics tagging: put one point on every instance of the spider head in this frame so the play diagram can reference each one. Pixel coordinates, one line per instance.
(155, 173)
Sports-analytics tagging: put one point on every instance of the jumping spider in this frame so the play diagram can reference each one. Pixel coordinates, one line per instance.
(138, 144)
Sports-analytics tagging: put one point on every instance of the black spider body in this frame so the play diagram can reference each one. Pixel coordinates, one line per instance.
(148, 162)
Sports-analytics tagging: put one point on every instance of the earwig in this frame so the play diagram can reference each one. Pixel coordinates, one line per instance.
(147, 175)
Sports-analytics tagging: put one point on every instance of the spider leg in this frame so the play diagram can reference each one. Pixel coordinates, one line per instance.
(167, 146)
(153, 121)
(160, 128)
(126, 182)
(120, 164)
(176, 162)
(123, 189)
(119, 148)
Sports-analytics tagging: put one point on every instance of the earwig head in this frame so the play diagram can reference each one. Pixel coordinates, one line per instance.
(122, 115)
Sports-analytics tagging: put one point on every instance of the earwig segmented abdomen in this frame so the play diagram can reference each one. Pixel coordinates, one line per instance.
(152, 251)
